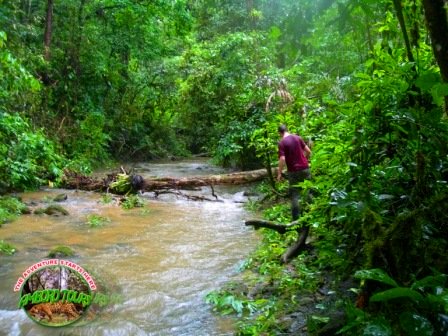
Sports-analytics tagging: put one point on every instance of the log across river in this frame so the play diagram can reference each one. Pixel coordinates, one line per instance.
(81, 182)
(159, 261)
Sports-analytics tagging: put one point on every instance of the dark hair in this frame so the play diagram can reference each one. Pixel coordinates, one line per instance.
(282, 129)
(137, 182)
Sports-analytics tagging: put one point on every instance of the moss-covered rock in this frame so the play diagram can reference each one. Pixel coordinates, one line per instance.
(52, 210)
(26, 210)
(61, 251)
(39, 211)
(60, 198)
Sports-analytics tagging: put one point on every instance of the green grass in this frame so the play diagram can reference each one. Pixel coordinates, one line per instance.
(97, 220)
(132, 201)
(6, 248)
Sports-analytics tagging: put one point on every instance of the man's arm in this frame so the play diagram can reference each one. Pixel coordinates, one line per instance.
(281, 165)
(307, 151)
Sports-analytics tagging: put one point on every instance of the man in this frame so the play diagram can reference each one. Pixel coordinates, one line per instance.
(294, 153)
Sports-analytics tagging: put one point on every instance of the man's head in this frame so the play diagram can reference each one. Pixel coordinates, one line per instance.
(282, 129)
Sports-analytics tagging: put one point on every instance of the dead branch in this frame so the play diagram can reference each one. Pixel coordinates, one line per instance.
(282, 229)
(298, 246)
(190, 197)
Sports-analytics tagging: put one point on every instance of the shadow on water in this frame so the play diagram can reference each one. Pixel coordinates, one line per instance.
(160, 260)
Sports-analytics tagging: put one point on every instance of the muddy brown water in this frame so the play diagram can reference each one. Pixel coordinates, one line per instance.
(160, 260)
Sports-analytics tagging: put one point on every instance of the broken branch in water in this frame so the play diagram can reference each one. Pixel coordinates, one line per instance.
(190, 197)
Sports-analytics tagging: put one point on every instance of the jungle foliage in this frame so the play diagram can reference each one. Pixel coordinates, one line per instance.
(363, 81)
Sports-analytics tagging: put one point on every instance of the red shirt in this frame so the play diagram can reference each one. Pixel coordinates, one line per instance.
(292, 147)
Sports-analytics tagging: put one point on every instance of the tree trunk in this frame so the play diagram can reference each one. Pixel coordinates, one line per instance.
(437, 22)
(399, 10)
(76, 63)
(198, 181)
(76, 181)
(28, 12)
(268, 163)
(48, 30)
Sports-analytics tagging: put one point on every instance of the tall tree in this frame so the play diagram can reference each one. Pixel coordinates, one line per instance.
(436, 19)
(400, 16)
(437, 22)
(48, 30)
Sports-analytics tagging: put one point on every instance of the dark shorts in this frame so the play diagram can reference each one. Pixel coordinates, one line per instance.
(294, 179)
(298, 176)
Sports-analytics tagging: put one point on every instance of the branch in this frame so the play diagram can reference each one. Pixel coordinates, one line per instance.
(298, 246)
(190, 197)
(272, 225)
(213, 192)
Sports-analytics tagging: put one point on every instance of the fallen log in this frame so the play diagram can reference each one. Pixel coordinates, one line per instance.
(74, 180)
(298, 246)
(207, 180)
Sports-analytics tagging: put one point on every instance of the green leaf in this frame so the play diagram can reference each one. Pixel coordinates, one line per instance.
(431, 281)
(427, 81)
(322, 319)
(396, 293)
(400, 128)
(237, 305)
(369, 62)
(275, 33)
(363, 76)
(378, 328)
(438, 92)
(2, 38)
(416, 325)
(376, 274)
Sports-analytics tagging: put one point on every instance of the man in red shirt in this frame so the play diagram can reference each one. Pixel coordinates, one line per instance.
(294, 153)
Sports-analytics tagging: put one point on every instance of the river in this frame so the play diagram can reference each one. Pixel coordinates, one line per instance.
(159, 261)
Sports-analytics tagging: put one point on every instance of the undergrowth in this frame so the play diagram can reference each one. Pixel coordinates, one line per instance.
(6, 248)
(10, 208)
(269, 295)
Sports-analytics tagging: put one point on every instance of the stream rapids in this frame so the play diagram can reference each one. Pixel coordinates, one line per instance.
(159, 261)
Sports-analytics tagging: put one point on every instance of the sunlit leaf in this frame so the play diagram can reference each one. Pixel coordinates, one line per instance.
(322, 319)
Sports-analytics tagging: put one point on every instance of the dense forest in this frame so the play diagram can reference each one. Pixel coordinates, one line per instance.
(364, 82)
